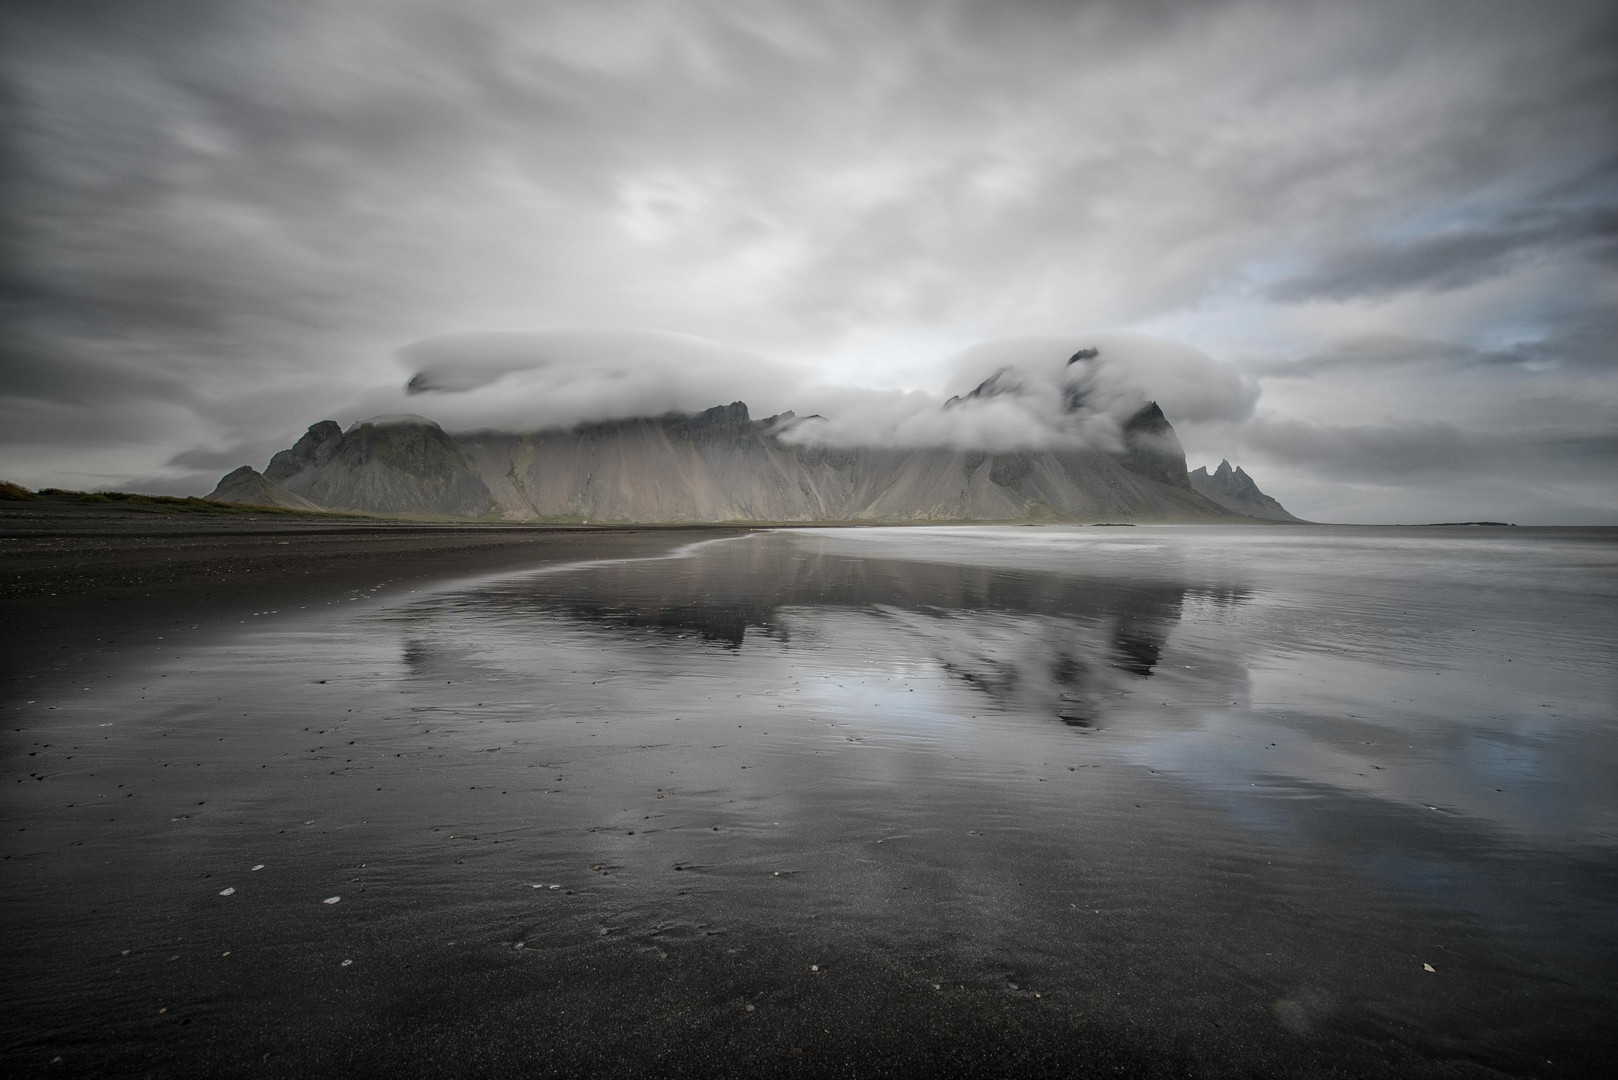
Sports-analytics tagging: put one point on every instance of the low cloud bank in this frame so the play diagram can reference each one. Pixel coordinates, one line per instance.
(546, 379)
(1007, 394)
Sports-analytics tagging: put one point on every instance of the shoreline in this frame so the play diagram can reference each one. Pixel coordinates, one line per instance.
(97, 582)
(78, 579)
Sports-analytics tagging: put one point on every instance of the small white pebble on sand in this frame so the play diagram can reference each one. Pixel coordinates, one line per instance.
(227, 892)
(1429, 967)
(331, 899)
(348, 963)
(814, 967)
(260, 866)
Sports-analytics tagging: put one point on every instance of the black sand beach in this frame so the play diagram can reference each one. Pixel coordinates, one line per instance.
(795, 804)
(79, 578)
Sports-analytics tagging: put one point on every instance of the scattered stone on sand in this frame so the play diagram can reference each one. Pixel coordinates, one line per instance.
(228, 892)
(331, 900)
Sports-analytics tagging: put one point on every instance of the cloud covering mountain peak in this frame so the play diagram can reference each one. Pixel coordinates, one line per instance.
(1005, 394)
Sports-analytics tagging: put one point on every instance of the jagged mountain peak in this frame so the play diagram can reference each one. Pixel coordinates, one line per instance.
(1233, 489)
(720, 464)
(399, 463)
(1004, 381)
(1151, 447)
(315, 448)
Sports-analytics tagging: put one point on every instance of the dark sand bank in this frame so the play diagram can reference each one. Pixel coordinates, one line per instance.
(82, 581)
(865, 803)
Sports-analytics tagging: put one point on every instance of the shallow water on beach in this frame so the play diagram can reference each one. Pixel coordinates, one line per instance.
(1269, 797)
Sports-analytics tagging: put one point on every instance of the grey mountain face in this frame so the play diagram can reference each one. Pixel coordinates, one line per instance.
(248, 485)
(722, 465)
(1151, 448)
(389, 465)
(315, 448)
(1235, 491)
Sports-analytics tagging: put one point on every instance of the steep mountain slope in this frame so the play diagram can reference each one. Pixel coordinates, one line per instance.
(1234, 490)
(721, 465)
(315, 448)
(389, 464)
(1152, 449)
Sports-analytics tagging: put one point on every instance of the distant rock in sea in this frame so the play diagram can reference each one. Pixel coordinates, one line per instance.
(1234, 490)
(248, 485)
(722, 465)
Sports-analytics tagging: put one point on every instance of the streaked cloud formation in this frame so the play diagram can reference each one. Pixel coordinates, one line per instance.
(224, 220)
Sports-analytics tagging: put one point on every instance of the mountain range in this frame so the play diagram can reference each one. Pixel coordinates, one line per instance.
(723, 465)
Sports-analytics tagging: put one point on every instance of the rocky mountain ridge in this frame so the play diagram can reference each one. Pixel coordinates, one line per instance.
(717, 465)
(1234, 490)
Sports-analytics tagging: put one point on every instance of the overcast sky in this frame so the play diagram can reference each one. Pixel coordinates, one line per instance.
(1398, 223)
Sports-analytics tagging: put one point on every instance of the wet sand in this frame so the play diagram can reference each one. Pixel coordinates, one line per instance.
(83, 581)
(871, 803)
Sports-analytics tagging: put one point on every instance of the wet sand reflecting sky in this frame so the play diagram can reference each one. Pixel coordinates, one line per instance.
(1220, 795)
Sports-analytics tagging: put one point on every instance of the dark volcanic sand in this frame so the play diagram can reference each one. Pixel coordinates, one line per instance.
(1016, 802)
(80, 579)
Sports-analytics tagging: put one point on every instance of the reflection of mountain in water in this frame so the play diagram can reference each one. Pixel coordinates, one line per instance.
(1059, 643)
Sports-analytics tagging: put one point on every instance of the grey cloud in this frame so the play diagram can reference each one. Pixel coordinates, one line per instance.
(1072, 391)
(72, 370)
(556, 378)
(230, 215)
(1412, 454)
(1583, 340)
(210, 461)
(1362, 353)
(1421, 471)
(1363, 451)
(1456, 257)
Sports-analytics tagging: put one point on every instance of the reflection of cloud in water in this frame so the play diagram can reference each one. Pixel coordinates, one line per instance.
(1263, 677)
(1058, 644)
